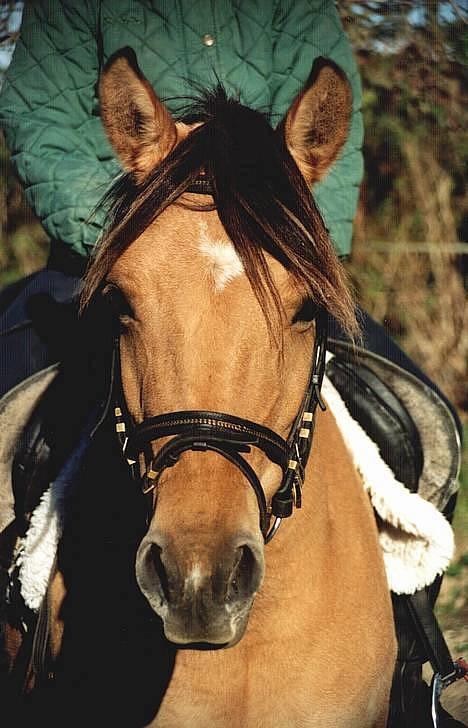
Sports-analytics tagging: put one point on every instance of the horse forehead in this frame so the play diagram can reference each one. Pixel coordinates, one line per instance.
(203, 248)
(181, 243)
(189, 251)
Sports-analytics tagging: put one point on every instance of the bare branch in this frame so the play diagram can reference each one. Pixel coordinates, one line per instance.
(458, 12)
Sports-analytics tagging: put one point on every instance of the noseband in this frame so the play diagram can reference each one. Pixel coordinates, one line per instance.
(230, 437)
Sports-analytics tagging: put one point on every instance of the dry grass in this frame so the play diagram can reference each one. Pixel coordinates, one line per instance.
(420, 297)
(23, 241)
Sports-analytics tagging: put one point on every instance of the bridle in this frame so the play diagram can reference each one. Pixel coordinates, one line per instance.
(228, 436)
(225, 434)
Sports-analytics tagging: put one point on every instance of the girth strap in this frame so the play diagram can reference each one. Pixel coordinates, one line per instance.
(429, 632)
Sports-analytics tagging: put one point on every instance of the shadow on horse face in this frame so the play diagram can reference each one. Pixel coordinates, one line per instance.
(203, 330)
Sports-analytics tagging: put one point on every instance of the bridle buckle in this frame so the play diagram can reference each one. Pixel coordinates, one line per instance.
(150, 480)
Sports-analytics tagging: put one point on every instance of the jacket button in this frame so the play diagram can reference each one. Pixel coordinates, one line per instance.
(208, 40)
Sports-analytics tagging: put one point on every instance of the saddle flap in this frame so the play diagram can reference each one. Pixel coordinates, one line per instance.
(382, 416)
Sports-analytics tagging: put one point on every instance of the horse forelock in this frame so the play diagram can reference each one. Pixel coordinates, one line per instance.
(261, 200)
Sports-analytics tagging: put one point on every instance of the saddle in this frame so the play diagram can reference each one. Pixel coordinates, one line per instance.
(411, 425)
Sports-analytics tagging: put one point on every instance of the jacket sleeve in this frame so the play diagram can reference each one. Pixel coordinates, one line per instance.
(304, 30)
(49, 113)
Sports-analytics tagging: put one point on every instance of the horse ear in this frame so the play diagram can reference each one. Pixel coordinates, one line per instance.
(140, 128)
(316, 125)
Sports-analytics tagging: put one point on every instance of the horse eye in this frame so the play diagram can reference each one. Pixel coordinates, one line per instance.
(307, 312)
(116, 301)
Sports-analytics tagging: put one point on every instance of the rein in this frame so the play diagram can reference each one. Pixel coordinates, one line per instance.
(230, 437)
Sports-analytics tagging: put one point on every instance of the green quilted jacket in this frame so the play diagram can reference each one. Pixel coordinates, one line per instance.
(261, 50)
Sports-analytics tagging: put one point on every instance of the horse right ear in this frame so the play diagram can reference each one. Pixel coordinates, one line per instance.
(316, 126)
(140, 128)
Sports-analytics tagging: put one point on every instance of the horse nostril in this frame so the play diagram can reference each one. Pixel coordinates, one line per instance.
(246, 574)
(156, 565)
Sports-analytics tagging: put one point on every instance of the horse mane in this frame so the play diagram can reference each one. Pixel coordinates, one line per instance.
(261, 199)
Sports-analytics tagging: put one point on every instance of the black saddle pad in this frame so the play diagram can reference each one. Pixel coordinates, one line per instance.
(382, 415)
(26, 345)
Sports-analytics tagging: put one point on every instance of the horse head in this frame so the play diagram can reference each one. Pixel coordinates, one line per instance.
(214, 265)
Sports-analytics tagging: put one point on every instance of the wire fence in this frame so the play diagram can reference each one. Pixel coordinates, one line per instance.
(442, 248)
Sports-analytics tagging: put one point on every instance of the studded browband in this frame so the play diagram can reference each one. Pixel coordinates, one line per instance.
(230, 437)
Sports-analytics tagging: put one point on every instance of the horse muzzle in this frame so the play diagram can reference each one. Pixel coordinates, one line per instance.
(201, 597)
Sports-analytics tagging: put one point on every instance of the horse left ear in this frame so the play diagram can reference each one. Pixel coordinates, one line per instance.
(140, 128)
(316, 126)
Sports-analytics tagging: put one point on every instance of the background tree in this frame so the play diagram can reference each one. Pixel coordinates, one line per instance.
(23, 242)
(409, 260)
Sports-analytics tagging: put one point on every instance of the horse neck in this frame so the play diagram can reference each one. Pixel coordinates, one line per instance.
(334, 504)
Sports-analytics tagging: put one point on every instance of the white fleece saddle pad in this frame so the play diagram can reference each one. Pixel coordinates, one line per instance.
(416, 539)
